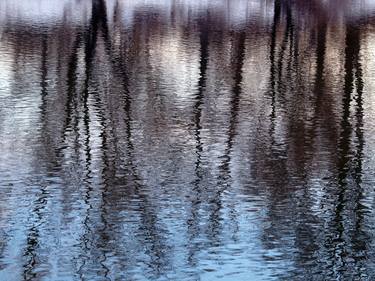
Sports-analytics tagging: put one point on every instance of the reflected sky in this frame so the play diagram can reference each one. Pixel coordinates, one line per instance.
(187, 140)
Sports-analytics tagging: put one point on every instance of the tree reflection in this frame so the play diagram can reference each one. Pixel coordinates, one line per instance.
(166, 147)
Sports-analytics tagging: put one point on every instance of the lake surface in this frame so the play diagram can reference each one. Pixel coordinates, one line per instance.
(187, 140)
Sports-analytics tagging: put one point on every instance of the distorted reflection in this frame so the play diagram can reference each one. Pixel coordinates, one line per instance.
(187, 140)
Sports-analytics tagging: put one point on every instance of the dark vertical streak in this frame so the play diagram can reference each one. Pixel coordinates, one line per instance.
(287, 34)
(71, 90)
(43, 82)
(98, 24)
(319, 75)
(41, 201)
(225, 176)
(345, 192)
(320, 57)
(276, 20)
(195, 204)
(203, 38)
(360, 239)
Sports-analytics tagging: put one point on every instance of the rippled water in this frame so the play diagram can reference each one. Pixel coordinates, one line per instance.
(187, 140)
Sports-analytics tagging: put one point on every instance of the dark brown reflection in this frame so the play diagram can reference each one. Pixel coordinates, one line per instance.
(290, 156)
(182, 141)
(348, 207)
(198, 190)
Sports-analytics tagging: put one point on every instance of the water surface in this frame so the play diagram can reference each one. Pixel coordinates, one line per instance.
(187, 140)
